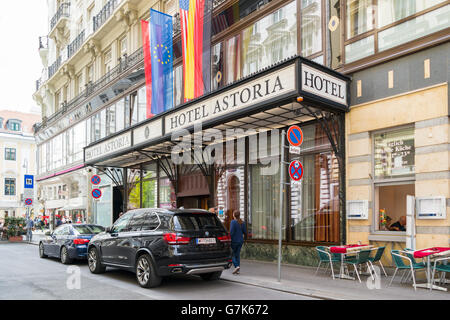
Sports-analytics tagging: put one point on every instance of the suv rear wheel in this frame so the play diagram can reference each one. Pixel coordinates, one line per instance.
(95, 266)
(211, 276)
(145, 272)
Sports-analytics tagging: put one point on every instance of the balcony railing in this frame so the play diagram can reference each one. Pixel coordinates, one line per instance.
(125, 64)
(63, 11)
(104, 14)
(54, 67)
(75, 44)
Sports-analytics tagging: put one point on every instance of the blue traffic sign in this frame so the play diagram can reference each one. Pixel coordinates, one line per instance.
(29, 181)
(295, 136)
(95, 179)
(96, 193)
(296, 170)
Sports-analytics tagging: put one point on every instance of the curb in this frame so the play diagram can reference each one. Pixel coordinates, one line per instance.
(312, 293)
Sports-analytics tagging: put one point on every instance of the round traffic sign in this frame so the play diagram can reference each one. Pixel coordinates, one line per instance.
(295, 136)
(296, 170)
(28, 202)
(96, 193)
(95, 179)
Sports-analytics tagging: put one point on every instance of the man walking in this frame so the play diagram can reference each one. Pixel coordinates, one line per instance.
(29, 227)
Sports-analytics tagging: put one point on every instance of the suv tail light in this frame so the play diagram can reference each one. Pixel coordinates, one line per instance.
(80, 241)
(172, 238)
(226, 238)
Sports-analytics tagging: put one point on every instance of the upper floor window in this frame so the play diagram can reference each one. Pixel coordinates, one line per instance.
(10, 187)
(13, 125)
(359, 17)
(10, 154)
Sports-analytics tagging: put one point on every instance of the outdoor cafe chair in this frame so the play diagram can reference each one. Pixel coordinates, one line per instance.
(327, 257)
(377, 258)
(399, 259)
(361, 258)
(441, 267)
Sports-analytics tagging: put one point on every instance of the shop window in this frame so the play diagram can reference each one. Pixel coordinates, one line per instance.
(10, 154)
(217, 67)
(264, 205)
(391, 206)
(111, 120)
(359, 17)
(394, 154)
(10, 187)
(230, 193)
(178, 85)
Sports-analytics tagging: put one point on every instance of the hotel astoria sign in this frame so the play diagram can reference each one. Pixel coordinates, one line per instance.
(267, 87)
(108, 147)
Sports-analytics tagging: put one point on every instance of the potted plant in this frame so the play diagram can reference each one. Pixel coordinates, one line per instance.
(15, 227)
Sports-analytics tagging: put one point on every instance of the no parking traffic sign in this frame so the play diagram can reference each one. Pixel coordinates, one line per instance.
(296, 170)
(95, 179)
(295, 136)
(28, 202)
(96, 193)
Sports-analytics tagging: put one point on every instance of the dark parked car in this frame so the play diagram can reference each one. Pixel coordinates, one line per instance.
(155, 243)
(68, 241)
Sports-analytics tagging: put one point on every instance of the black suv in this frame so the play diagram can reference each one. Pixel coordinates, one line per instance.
(155, 243)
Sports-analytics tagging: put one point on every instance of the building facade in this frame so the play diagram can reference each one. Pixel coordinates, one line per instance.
(17, 150)
(271, 65)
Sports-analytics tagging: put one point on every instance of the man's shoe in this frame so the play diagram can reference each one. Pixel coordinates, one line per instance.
(236, 271)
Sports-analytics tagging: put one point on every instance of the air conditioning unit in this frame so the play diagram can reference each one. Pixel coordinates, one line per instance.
(431, 208)
(357, 209)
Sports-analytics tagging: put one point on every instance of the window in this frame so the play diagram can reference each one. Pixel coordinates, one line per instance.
(266, 42)
(123, 46)
(178, 85)
(216, 67)
(1, 123)
(136, 222)
(311, 27)
(120, 115)
(10, 186)
(121, 223)
(151, 221)
(10, 154)
(13, 125)
(142, 104)
(390, 11)
(107, 59)
(111, 120)
(359, 17)
(394, 154)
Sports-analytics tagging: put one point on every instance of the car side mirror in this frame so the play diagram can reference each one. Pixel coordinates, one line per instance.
(108, 230)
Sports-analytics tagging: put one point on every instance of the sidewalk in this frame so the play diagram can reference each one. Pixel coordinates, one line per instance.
(301, 280)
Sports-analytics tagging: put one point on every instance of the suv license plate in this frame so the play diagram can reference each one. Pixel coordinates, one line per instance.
(206, 240)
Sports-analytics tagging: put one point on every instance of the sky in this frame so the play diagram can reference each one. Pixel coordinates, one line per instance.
(21, 24)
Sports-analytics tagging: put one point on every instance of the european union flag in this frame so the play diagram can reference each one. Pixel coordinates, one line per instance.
(162, 61)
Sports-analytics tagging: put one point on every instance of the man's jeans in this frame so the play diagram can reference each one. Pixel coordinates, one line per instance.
(236, 253)
(29, 234)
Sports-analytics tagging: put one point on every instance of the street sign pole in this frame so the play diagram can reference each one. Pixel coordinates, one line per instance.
(283, 134)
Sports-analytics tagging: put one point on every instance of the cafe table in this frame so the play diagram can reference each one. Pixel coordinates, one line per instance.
(431, 253)
(348, 249)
